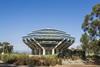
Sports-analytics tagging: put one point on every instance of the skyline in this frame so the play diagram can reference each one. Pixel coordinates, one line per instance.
(20, 17)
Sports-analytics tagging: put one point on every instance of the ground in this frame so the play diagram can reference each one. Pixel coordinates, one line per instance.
(68, 65)
(77, 65)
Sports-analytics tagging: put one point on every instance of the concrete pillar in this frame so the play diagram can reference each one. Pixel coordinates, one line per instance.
(53, 52)
(43, 51)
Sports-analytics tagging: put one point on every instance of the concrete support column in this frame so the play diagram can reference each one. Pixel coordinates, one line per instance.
(53, 52)
(43, 51)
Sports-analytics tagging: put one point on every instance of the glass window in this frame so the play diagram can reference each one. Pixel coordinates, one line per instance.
(48, 52)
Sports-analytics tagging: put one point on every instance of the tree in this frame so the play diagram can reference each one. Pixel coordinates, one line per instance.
(7, 47)
(85, 41)
(91, 27)
(91, 24)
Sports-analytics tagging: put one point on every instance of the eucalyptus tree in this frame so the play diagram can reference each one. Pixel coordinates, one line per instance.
(91, 28)
(7, 47)
(85, 41)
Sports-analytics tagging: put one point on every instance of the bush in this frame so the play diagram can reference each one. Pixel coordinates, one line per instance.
(11, 58)
(23, 59)
(8, 58)
(53, 60)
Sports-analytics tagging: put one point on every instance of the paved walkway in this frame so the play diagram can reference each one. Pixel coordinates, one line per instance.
(66, 65)
(77, 65)
(7, 65)
(72, 61)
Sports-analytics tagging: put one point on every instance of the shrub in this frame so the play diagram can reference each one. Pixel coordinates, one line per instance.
(23, 59)
(11, 58)
(8, 58)
(52, 60)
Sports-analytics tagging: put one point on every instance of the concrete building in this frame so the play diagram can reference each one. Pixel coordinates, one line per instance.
(48, 41)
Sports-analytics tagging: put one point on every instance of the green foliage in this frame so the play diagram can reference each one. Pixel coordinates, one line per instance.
(23, 59)
(91, 24)
(91, 27)
(6, 57)
(10, 58)
(91, 38)
(6, 47)
(96, 9)
(85, 41)
(53, 60)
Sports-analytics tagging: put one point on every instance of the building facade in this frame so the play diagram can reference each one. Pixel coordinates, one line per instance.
(48, 41)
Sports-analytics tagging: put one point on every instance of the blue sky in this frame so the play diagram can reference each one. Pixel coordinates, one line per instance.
(20, 17)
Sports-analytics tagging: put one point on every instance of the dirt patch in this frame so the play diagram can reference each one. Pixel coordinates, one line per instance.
(77, 65)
